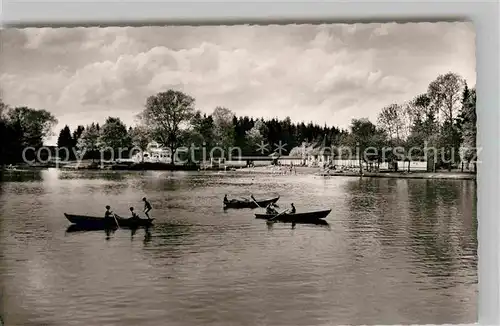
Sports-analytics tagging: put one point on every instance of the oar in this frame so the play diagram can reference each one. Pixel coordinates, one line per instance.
(116, 221)
(274, 217)
(256, 203)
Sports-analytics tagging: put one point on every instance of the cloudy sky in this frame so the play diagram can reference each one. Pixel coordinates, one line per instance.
(321, 73)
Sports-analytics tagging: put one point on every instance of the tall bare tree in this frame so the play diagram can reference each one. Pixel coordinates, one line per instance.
(390, 119)
(445, 93)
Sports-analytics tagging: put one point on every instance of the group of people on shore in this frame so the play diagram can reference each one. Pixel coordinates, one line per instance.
(284, 170)
(147, 208)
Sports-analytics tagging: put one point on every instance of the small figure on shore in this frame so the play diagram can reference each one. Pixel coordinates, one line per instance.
(293, 210)
(147, 207)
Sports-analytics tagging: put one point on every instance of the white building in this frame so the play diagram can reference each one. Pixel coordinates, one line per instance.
(154, 153)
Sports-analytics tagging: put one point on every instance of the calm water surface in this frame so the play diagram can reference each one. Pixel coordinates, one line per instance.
(395, 252)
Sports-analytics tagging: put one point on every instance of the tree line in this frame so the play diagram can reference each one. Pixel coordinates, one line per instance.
(443, 118)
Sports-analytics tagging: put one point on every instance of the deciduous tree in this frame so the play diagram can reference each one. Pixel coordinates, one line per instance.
(362, 132)
(255, 137)
(140, 138)
(89, 141)
(114, 134)
(223, 128)
(166, 115)
(390, 119)
(445, 93)
(35, 124)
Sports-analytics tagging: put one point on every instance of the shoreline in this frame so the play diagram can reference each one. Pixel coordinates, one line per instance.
(316, 171)
(411, 175)
(271, 170)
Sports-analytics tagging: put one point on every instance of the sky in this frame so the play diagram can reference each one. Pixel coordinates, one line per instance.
(327, 74)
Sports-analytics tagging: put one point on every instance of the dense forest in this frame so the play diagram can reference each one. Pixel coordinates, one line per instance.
(443, 118)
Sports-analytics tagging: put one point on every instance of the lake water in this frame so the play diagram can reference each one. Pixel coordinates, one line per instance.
(395, 252)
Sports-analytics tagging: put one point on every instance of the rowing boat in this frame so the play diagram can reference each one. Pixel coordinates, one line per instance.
(93, 222)
(248, 203)
(316, 222)
(296, 217)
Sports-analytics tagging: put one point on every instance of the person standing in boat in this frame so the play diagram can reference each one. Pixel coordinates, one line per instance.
(147, 207)
(225, 199)
(293, 210)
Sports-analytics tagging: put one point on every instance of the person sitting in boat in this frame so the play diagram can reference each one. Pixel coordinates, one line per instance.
(134, 215)
(108, 212)
(227, 201)
(147, 207)
(270, 209)
(293, 210)
(108, 215)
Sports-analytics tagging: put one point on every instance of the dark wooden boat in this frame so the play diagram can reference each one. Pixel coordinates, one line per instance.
(249, 203)
(93, 222)
(297, 217)
(316, 222)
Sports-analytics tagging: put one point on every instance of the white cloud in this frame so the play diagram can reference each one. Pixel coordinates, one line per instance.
(326, 73)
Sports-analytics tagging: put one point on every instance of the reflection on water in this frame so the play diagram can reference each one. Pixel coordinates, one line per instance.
(20, 175)
(319, 223)
(391, 252)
